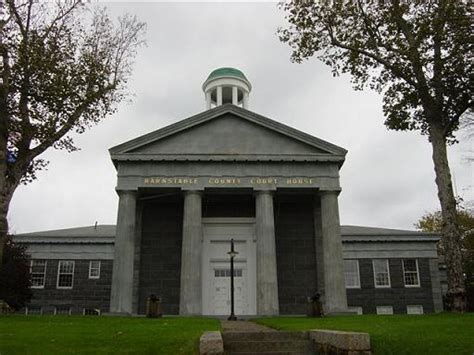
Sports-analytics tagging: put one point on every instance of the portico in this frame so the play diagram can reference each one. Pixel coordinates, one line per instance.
(187, 189)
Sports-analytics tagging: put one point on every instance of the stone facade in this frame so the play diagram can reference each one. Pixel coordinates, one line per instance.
(296, 255)
(86, 293)
(397, 295)
(160, 259)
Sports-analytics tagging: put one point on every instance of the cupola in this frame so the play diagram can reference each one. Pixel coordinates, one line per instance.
(226, 85)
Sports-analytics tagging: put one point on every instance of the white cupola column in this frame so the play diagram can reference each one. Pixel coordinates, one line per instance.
(235, 95)
(219, 95)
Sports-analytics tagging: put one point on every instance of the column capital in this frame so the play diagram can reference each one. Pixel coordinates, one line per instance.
(329, 192)
(186, 191)
(126, 192)
(264, 191)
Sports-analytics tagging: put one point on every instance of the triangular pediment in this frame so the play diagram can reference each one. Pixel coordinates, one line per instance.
(227, 132)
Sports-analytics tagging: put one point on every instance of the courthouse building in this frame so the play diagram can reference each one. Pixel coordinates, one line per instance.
(228, 173)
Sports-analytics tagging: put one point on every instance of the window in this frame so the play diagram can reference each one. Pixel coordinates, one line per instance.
(415, 309)
(91, 312)
(384, 309)
(33, 310)
(351, 273)
(410, 273)
(38, 273)
(58, 310)
(94, 269)
(226, 272)
(65, 274)
(357, 310)
(381, 273)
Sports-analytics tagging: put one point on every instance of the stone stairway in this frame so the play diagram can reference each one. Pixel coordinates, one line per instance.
(248, 338)
(267, 343)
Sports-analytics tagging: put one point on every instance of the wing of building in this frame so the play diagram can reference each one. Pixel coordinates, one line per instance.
(228, 173)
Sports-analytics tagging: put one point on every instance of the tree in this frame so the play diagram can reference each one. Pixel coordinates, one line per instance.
(417, 55)
(63, 69)
(433, 222)
(15, 276)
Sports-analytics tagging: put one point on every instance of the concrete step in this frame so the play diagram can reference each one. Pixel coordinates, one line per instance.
(264, 336)
(246, 346)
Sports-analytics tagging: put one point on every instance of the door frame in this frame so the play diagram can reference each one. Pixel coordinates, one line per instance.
(247, 226)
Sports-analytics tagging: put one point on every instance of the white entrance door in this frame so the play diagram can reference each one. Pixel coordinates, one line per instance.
(220, 290)
(216, 266)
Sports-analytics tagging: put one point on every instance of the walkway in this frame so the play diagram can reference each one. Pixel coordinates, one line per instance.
(244, 326)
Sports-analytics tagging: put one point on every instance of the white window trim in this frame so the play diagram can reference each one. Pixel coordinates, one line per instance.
(72, 281)
(95, 309)
(90, 269)
(40, 309)
(417, 274)
(377, 308)
(56, 311)
(44, 278)
(416, 305)
(358, 275)
(388, 272)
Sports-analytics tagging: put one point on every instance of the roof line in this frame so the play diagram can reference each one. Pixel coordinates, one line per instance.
(215, 112)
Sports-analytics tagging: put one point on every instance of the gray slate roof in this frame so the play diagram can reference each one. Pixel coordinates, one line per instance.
(371, 234)
(101, 233)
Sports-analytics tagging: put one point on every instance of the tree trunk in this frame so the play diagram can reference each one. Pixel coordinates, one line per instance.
(451, 237)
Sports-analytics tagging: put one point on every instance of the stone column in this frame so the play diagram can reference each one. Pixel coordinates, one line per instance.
(267, 284)
(235, 95)
(191, 284)
(335, 298)
(121, 297)
(436, 286)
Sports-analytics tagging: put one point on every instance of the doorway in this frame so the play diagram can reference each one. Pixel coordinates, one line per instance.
(217, 233)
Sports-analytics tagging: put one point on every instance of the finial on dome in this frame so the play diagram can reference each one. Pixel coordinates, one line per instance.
(226, 85)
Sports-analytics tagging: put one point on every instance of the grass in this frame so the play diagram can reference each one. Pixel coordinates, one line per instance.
(443, 334)
(101, 335)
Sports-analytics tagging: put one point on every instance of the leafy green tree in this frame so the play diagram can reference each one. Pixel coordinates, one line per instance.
(433, 222)
(15, 276)
(64, 68)
(418, 55)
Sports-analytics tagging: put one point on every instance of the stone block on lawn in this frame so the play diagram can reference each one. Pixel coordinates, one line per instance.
(330, 341)
(211, 343)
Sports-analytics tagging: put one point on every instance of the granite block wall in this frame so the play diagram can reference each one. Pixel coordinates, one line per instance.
(296, 252)
(160, 262)
(86, 293)
(368, 297)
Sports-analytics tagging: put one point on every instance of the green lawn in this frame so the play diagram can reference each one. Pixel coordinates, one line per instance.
(101, 335)
(443, 334)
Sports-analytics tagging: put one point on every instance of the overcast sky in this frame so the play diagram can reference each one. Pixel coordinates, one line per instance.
(387, 179)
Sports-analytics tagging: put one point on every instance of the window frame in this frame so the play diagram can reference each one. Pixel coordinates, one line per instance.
(59, 273)
(417, 274)
(378, 310)
(44, 273)
(59, 312)
(98, 268)
(358, 274)
(413, 306)
(375, 274)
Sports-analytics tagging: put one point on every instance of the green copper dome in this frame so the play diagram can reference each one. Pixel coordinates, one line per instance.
(220, 72)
